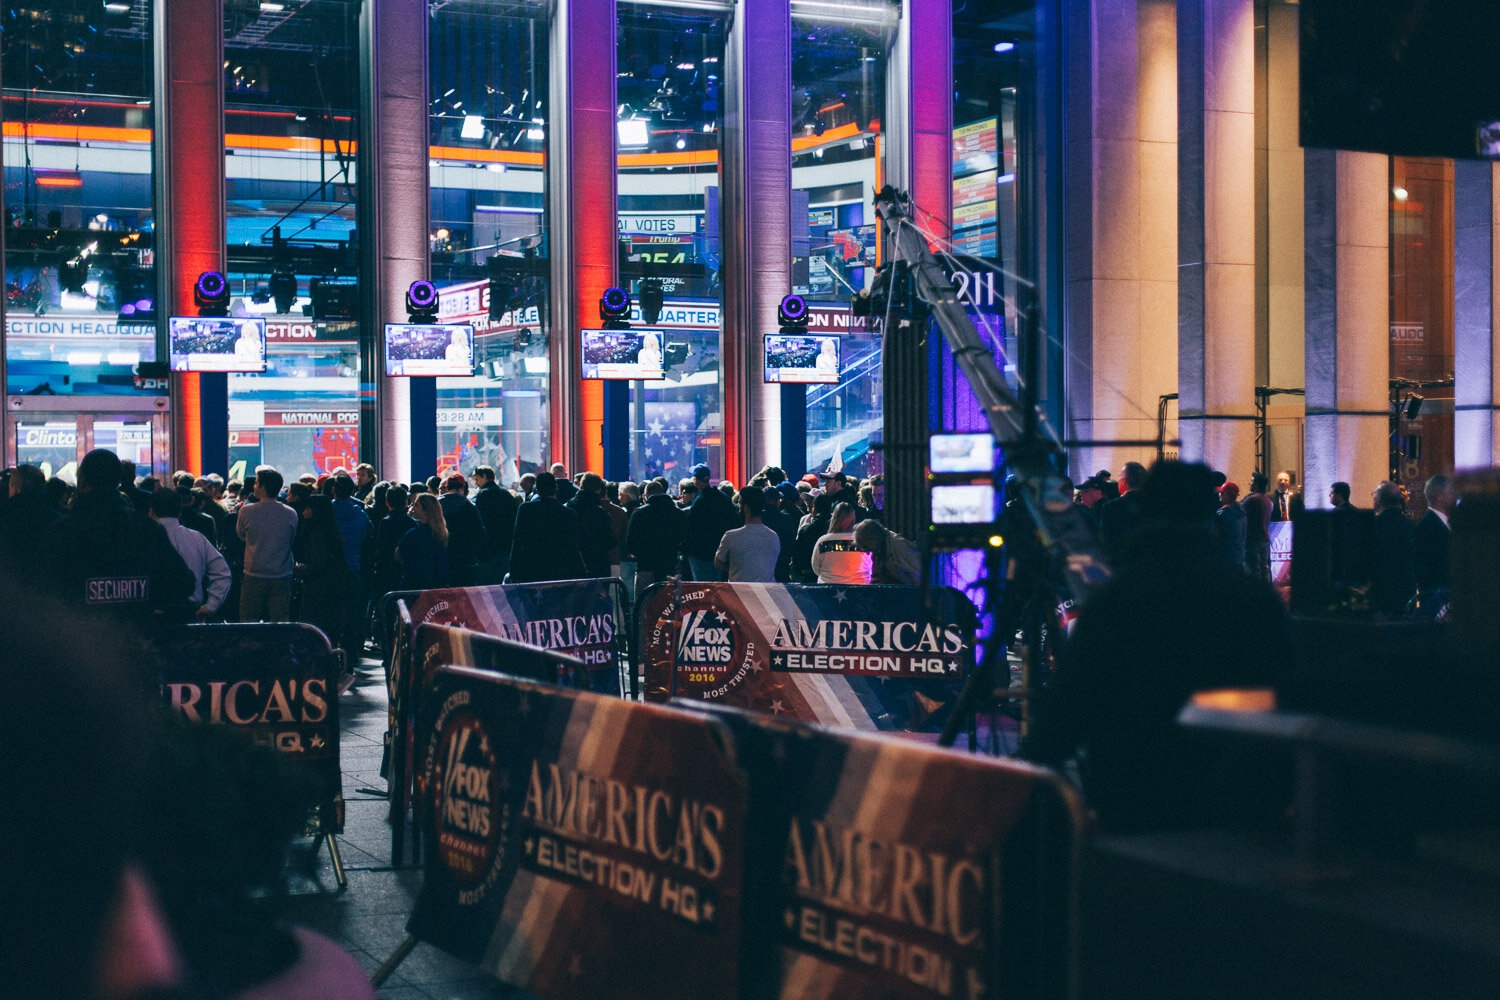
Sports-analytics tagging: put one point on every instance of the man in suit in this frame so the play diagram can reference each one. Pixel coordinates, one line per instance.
(546, 542)
(1429, 547)
(1286, 502)
(1118, 517)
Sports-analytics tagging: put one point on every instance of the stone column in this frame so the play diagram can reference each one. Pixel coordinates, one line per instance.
(398, 428)
(1475, 286)
(756, 218)
(919, 160)
(1121, 124)
(1347, 211)
(1216, 231)
(188, 187)
(581, 202)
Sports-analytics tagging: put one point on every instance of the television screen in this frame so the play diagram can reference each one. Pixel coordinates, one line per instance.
(961, 453)
(964, 504)
(623, 354)
(429, 349)
(802, 358)
(216, 344)
(1402, 78)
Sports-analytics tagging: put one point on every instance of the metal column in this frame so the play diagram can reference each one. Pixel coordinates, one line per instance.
(581, 202)
(1474, 285)
(757, 216)
(398, 420)
(919, 159)
(188, 187)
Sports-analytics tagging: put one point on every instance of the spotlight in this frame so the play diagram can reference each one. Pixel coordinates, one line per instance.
(422, 302)
(793, 312)
(523, 337)
(283, 287)
(614, 306)
(651, 299)
(1413, 406)
(211, 294)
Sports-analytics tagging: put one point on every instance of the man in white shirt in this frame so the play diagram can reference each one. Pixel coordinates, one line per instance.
(749, 554)
(268, 528)
(210, 571)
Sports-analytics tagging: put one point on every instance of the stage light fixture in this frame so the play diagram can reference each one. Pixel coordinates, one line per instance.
(793, 312)
(1413, 406)
(614, 306)
(283, 288)
(422, 302)
(651, 299)
(211, 294)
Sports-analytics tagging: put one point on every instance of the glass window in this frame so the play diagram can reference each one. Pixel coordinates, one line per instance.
(1422, 349)
(838, 104)
(669, 74)
(487, 129)
(78, 201)
(291, 92)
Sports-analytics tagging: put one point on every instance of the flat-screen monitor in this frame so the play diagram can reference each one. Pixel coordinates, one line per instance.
(950, 453)
(968, 503)
(623, 354)
(802, 358)
(429, 349)
(216, 344)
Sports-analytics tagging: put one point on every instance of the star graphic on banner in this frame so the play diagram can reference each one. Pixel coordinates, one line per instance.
(952, 666)
(841, 596)
(317, 742)
(756, 668)
(779, 660)
(789, 917)
(777, 708)
(656, 426)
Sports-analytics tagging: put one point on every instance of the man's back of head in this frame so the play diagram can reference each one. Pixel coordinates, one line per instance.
(591, 483)
(343, 486)
(559, 471)
(546, 484)
(165, 502)
(654, 488)
(455, 483)
(1133, 476)
(101, 471)
(268, 482)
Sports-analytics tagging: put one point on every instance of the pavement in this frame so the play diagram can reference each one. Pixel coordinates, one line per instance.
(369, 919)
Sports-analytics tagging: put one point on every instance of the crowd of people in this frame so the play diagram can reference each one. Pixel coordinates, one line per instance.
(324, 549)
(1380, 559)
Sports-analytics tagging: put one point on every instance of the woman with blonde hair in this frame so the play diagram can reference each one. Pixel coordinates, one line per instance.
(423, 551)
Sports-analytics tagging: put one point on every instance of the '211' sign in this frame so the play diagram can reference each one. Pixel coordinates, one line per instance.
(976, 282)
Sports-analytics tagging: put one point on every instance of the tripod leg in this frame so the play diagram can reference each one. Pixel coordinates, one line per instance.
(389, 965)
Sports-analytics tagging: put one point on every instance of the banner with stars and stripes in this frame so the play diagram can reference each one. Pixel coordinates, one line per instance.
(582, 845)
(865, 657)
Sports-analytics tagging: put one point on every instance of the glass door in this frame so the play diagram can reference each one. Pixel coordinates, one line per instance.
(54, 439)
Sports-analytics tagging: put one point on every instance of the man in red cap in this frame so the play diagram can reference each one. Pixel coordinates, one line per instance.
(1229, 521)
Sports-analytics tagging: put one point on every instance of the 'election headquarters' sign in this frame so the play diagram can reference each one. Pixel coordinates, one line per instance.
(567, 865)
(867, 657)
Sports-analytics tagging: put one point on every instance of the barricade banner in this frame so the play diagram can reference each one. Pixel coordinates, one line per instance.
(584, 845)
(576, 617)
(276, 682)
(868, 657)
(885, 867)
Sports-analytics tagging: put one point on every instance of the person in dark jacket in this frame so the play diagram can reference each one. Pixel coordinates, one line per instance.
(595, 538)
(388, 534)
(654, 537)
(423, 551)
(25, 517)
(104, 557)
(546, 544)
(193, 516)
(1118, 518)
(711, 514)
(465, 532)
(325, 578)
(1391, 580)
(785, 527)
(497, 509)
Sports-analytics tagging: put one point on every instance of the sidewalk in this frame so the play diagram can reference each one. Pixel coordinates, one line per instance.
(369, 920)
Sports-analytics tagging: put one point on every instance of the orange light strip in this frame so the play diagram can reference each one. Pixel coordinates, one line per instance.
(849, 131)
(59, 182)
(461, 154)
(76, 133)
(703, 157)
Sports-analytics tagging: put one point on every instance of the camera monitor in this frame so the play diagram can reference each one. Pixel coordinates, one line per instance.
(216, 344)
(429, 349)
(623, 354)
(802, 358)
(968, 503)
(960, 453)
